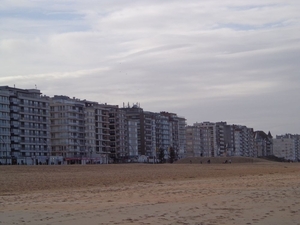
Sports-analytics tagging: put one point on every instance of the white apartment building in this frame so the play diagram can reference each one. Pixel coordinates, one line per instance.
(244, 142)
(221, 139)
(67, 130)
(84, 132)
(177, 133)
(287, 146)
(29, 126)
(150, 134)
(122, 135)
(118, 136)
(133, 138)
(155, 132)
(5, 151)
(90, 128)
(162, 133)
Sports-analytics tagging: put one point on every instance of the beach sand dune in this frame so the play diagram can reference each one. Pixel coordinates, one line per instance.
(249, 193)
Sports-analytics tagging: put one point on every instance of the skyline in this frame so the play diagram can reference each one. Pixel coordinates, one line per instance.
(207, 61)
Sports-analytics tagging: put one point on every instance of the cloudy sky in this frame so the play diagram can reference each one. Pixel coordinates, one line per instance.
(217, 60)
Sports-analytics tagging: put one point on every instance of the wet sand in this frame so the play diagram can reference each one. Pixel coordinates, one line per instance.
(249, 193)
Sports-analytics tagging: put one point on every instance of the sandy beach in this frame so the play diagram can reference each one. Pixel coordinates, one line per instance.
(248, 193)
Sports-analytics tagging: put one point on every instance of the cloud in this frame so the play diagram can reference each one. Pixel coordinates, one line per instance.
(206, 60)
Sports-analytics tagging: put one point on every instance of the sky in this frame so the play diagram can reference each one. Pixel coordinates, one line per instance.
(234, 61)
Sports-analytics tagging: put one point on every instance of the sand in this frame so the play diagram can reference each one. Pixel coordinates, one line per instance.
(249, 193)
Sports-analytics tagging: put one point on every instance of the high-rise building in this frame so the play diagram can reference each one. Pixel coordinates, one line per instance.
(5, 150)
(221, 139)
(193, 146)
(29, 129)
(118, 133)
(264, 143)
(244, 144)
(162, 132)
(208, 140)
(287, 146)
(177, 133)
(67, 130)
(87, 132)
(133, 138)
(144, 128)
(156, 132)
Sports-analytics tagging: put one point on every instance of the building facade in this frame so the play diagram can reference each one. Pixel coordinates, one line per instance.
(193, 142)
(29, 126)
(5, 150)
(244, 143)
(221, 139)
(208, 140)
(287, 147)
(264, 144)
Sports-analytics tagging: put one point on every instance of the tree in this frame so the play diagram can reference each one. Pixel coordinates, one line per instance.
(161, 155)
(172, 155)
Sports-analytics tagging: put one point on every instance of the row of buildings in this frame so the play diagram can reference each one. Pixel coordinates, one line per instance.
(220, 139)
(38, 129)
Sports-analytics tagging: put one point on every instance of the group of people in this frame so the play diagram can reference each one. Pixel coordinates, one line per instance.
(228, 161)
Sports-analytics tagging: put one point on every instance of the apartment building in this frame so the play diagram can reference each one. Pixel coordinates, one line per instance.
(182, 136)
(149, 128)
(221, 139)
(97, 132)
(122, 137)
(155, 131)
(132, 138)
(29, 130)
(5, 150)
(193, 145)
(162, 132)
(287, 147)
(244, 143)
(224, 139)
(67, 130)
(135, 113)
(102, 142)
(85, 132)
(208, 141)
(264, 143)
(118, 133)
(177, 133)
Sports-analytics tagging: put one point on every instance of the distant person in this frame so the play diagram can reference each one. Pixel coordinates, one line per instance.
(226, 161)
(230, 161)
(208, 161)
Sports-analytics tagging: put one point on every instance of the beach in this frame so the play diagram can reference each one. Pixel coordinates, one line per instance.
(244, 193)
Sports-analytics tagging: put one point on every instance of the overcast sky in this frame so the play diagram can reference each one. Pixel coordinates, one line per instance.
(217, 60)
